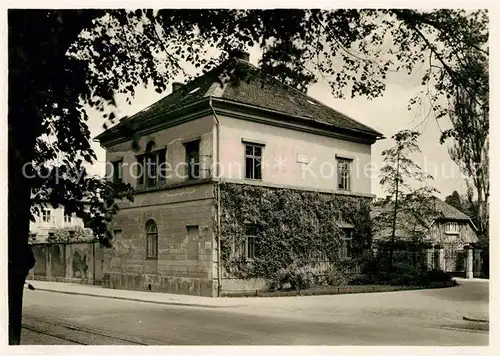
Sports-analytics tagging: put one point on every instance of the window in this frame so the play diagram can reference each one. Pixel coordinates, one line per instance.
(451, 228)
(151, 167)
(344, 174)
(117, 172)
(248, 246)
(117, 234)
(192, 250)
(46, 216)
(151, 171)
(253, 161)
(67, 218)
(193, 159)
(345, 249)
(151, 240)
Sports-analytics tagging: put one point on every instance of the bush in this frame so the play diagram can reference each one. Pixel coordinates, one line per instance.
(336, 277)
(303, 278)
(80, 234)
(403, 273)
(438, 276)
(293, 277)
(363, 279)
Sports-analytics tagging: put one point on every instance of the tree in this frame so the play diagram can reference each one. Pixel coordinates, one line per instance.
(45, 92)
(409, 211)
(82, 57)
(454, 200)
(469, 114)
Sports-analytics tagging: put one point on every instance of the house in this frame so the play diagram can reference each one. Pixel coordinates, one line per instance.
(212, 156)
(447, 243)
(50, 220)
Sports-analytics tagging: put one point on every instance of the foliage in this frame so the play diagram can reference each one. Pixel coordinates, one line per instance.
(95, 54)
(293, 277)
(402, 272)
(78, 57)
(295, 228)
(71, 234)
(337, 277)
(468, 111)
(412, 211)
(49, 102)
(398, 167)
(455, 201)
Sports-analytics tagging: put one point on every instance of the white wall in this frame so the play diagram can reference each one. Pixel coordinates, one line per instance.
(280, 156)
(42, 228)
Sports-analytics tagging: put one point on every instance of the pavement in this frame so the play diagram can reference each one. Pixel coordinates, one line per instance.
(73, 314)
(138, 296)
(469, 311)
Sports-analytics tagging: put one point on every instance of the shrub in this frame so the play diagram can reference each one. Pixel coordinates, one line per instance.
(336, 277)
(293, 277)
(303, 278)
(438, 276)
(79, 235)
(404, 273)
(362, 279)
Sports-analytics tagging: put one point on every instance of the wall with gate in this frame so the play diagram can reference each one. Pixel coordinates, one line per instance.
(78, 262)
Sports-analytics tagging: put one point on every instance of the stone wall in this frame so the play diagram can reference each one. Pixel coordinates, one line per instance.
(184, 220)
(79, 262)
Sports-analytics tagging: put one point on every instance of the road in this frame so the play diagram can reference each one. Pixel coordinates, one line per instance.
(420, 318)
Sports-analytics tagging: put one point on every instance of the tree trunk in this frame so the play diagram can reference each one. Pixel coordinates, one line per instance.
(393, 237)
(20, 255)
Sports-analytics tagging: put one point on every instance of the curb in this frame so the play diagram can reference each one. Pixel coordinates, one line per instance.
(339, 290)
(141, 300)
(466, 318)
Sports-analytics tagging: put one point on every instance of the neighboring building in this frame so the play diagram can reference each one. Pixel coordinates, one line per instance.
(257, 133)
(51, 219)
(446, 243)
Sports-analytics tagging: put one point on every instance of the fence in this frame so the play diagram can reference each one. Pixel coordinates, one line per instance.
(77, 262)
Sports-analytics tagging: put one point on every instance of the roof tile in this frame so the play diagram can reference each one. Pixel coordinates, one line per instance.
(261, 91)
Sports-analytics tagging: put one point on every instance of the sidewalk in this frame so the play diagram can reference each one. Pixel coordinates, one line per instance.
(137, 296)
(474, 280)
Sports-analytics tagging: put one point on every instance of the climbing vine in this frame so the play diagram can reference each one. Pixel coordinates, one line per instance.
(290, 227)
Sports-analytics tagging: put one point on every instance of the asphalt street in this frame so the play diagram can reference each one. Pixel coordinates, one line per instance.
(416, 318)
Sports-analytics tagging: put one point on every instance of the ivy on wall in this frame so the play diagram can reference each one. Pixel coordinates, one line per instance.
(292, 227)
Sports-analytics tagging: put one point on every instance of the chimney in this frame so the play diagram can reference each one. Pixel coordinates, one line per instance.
(176, 85)
(240, 54)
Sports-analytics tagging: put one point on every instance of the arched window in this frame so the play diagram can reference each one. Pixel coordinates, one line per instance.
(151, 240)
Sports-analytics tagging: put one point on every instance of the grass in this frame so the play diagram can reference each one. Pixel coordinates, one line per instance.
(332, 290)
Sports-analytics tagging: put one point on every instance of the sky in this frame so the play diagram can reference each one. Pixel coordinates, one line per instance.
(387, 114)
